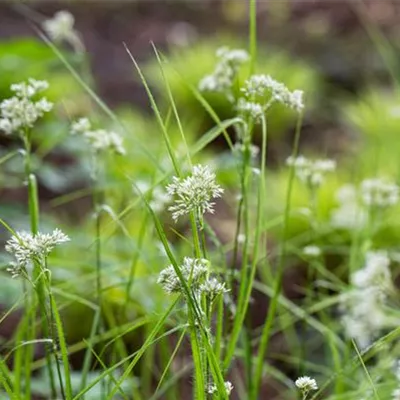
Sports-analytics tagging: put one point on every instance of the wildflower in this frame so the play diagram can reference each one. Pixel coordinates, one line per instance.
(100, 140)
(212, 288)
(61, 28)
(20, 112)
(250, 109)
(364, 307)
(267, 91)
(213, 388)
(379, 193)
(193, 272)
(350, 214)
(376, 272)
(194, 193)
(312, 251)
(27, 248)
(305, 384)
(225, 72)
(311, 172)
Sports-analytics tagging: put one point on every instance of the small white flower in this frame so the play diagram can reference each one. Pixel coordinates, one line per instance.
(312, 251)
(379, 193)
(20, 112)
(100, 140)
(81, 126)
(193, 271)
(213, 388)
(250, 109)
(61, 28)
(225, 72)
(311, 172)
(212, 288)
(266, 90)
(306, 384)
(194, 193)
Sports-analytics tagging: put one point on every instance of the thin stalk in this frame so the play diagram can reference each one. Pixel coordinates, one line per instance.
(278, 281)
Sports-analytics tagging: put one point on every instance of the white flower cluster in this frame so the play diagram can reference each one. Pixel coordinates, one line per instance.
(212, 287)
(350, 214)
(379, 193)
(312, 251)
(61, 28)
(20, 112)
(100, 139)
(267, 91)
(27, 248)
(305, 384)
(212, 389)
(194, 193)
(364, 308)
(311, 172)
(225, 72)
(193, 271)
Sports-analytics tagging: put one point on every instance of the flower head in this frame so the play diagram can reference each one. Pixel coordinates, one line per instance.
(312, 251)
(27, 248)
(20, 112)
(311, 172)
(61, 28)
(305, 384)
(100, 140)
(193, 272)
(194, 193)
(212, 288)
(379, 193)
(265, 90)
(213, 388)
(225, 72)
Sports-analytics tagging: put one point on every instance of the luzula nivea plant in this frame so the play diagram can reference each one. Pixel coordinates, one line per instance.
(28, 249)
(305, 384)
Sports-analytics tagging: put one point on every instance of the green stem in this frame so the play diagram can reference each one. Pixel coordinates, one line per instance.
(278, 282)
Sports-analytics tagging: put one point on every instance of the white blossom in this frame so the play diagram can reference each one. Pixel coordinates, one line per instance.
(311, 172)
(312, 251)
(212, 288)
(212, 389)
(194, 193)
(250, 109)
(222, 78)
(20, 112)
(193, 271)
(379, 193)
(26, 248)
(364, 310)
(61, 28)
(305, 384)
(99, 140)
(267, 90)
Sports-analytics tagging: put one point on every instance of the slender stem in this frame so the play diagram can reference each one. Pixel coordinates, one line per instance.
(278, 280)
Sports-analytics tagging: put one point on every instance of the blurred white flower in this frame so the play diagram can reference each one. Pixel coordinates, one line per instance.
(305, 384)
(379, 193)
(311, 172)
(312, 251)
(225, 72)
(100, 140)
(212, 389)
(61, 28)
(194, 193)
(20, 112)
(212, 288)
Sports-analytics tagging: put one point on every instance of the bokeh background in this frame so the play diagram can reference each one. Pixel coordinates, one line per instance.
(343, 54)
